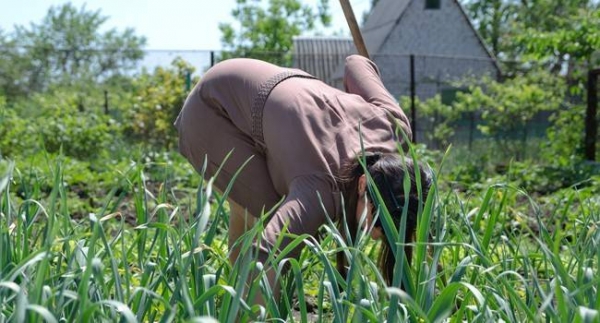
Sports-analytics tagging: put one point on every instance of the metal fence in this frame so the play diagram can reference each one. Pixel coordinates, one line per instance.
(409, 76)
(592, 136)
(421, 77)
(424, 76)
(201, 60)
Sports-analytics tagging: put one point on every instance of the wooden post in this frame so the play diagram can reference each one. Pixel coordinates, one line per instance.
(188, 81)
(591, 121)
(471, 128)
(354, 30)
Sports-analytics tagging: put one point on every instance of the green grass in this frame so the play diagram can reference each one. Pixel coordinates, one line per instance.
(172, 264)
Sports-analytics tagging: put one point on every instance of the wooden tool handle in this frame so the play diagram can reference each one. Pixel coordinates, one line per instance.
(356, 35)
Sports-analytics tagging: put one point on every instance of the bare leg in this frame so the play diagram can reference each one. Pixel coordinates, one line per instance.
(240, 221)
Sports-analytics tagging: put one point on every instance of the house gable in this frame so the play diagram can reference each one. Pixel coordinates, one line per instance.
(441, 39)
(445, 31)
(381, 21)
(321, 56)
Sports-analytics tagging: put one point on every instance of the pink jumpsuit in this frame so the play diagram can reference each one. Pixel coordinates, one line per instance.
(295, 133)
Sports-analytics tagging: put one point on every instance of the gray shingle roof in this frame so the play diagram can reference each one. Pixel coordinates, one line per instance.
(381, 21)
(320, 56)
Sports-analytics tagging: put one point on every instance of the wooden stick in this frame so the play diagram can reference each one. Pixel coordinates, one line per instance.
(356, 35)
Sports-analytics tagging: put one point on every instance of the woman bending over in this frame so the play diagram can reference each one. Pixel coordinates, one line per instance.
(302, 140)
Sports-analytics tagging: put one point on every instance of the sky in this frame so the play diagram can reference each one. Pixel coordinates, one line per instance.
(167, 25)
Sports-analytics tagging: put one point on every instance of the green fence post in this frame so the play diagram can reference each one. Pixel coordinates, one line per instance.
(188, 81)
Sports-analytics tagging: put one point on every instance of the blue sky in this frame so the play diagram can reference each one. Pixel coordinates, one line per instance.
(172, 24)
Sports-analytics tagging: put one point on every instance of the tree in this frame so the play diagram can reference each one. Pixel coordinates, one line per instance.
(492, 18)
(68, 48)
(569, 45)
(11, 67)
(267, 32)
(555, 34)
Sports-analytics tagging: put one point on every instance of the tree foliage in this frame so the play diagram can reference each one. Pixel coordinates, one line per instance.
(11, 66)
(560, 36)
(67, 47)
(551, 33)
(266, 31)
(572, 43)
(492, 18)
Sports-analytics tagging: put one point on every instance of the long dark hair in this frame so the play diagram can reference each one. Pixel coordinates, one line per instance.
(387, 171)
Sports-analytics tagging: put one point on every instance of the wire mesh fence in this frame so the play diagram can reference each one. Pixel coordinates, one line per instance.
(413, 78)
(421, 77)
(201, 60)
(418, 77)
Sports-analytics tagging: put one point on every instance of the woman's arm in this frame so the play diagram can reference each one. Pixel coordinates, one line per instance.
(362, 77)
(302, 212)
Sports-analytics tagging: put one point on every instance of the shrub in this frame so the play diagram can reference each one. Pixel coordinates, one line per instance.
(508, 107)
(53, 122)
(157, 100)
(15, 131)
(565, 136)
(83, 136)
(439, 115)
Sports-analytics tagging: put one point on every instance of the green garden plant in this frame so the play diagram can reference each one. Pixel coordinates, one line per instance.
(172, 264)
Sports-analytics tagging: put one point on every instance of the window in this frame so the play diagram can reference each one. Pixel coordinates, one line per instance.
(432, 4)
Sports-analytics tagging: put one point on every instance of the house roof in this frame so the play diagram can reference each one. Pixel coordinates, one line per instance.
(320, 56)
(381, 21)
(309, 52)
